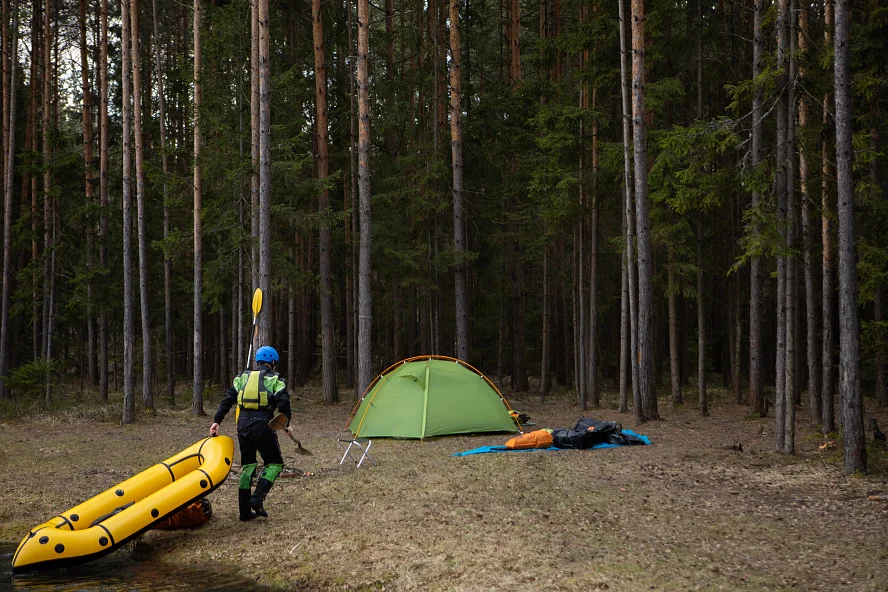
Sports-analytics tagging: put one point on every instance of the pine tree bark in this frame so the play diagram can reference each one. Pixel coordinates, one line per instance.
(351, 222)
(89, 188)
(701, 304)
(47, 173)
(292, 371)
(592, 371)
(701, 324)
(364, 305)
(147, 394)
(254, 152)
(520, 382)
(329, 391)
(674, 369)
(791, 266)
(645, 349)
(515, 43)
(263, 322)
(129, 402)
(103, 196)
(812, 305)
(881, 361)
(4, 83)
(827, 385)
(756, 398)
(545, 347)
(781, 111)
(167, 260)
(629, 213)
(579, 256)
(456, 148)
(850, 393)
(32, 178)
(264, 171)
(197, 337)
(7, 205)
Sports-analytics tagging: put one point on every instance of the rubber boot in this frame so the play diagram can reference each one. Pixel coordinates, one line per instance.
(243, 502)
(263, 486)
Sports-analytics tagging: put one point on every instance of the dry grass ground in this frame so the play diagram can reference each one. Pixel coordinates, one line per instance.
(687, 513)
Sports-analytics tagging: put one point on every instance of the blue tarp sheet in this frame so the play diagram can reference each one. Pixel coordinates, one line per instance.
(485, 449)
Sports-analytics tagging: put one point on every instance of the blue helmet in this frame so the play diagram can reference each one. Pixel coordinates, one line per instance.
(266, 354)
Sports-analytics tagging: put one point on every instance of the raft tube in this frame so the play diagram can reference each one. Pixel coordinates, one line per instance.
(107, 521)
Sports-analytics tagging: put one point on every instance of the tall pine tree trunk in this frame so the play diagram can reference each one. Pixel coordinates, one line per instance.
(674, 363)
(364, 305)
(828, 317)
(881, 361)
(329, 391)
(32, 125)
(781, 111)
(629, 214)
(89, 192)
(350, 202)
(701, 324)
(592, 372)
(792, 375)
(645, 349)
(756, 396)
(459, 230)
(147, 394)
(701, 308)
(129, 401)
(254, 153)
(167, 260)
(545, 347)
(264, 171)
(812, 306)
(7, 207)
(103, 196)
(197, 336)
(850, 393)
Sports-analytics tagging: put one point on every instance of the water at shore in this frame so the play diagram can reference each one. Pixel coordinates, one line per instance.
(118, 572)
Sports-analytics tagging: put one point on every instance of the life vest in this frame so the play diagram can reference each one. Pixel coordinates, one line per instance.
(254, 394)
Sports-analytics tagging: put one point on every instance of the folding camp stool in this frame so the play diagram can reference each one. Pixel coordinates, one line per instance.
(362, 444)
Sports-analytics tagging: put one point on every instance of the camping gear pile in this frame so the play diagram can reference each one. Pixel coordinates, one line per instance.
(587, 433)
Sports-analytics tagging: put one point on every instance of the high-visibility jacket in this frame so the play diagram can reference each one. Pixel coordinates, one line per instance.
(256, 389)
(270, 394)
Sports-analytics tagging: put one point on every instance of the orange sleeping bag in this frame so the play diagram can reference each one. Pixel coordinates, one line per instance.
(535, 439)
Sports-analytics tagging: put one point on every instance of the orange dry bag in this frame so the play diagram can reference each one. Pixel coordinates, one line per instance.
(191, 516)
(535, 439)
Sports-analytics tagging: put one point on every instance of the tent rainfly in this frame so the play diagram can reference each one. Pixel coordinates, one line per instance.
(429, 396)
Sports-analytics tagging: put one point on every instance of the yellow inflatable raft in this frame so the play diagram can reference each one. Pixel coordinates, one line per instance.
(102, 524)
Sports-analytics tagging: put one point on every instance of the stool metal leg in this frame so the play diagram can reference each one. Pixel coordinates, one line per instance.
(365, 451)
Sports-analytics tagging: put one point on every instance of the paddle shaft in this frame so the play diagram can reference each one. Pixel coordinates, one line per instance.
(257, 308)
(299, 448)
(252, 338)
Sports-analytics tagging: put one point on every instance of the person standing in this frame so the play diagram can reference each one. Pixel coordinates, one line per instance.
(257, 393)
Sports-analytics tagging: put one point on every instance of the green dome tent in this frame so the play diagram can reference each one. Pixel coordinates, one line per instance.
(431, 396)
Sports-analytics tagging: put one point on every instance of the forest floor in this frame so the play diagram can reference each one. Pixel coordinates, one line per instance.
(687, 513)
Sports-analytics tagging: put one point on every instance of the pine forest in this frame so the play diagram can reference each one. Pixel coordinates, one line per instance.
(640, 198)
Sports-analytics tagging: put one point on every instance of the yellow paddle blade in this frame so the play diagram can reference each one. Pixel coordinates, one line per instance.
(257, 301)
